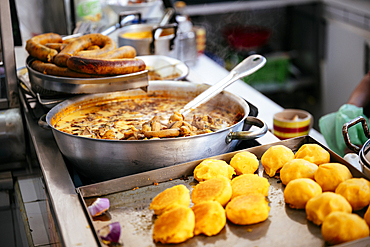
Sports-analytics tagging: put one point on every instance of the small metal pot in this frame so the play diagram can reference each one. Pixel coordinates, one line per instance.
(164, 45)
(100, 159)
(364, 151)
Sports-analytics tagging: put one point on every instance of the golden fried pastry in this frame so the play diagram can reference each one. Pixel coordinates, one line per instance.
(249, 184)
(247, 209)
(340, 227)
(275, 158)
(313, 153)
(367, 216)
(174, 226)
(297, 168)
(330, 175)
(215, 189)
(320, 206)
(244, 163)
(211, 168)
(356, 191)
(210, 218)
(170, 198)
(299, 191)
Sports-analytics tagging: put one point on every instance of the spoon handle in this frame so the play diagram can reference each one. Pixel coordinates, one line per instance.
(247, 67)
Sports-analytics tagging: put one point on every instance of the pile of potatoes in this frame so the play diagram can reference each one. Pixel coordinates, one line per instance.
(326, 191)
(224, 192)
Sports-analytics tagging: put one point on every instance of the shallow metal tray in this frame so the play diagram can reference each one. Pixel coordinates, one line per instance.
(130, 198)
(51, 84)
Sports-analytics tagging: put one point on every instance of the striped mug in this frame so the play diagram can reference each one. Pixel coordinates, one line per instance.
(292, 123)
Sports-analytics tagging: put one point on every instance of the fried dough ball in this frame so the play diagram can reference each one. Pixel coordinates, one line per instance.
(244, 163)
(174, 226)
(299, 191)
(215, 189)
(356, 191)
(211, 168)
(313, 153)
(275, 158)
(297, 168)
(367, 216)
(330, 175)
(170, 198)
(249, 184)
(210, 218)
(247, 209)
(320, 206)
(340, 227)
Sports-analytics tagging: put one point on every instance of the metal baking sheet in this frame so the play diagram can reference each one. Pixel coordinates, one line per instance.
(130, 198)
(86, 85)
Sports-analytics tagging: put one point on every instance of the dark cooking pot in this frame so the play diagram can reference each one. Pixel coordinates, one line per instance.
(364, 151)
(100, 159)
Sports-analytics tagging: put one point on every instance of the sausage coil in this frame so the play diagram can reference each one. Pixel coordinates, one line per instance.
(83, 43)
(35, 46)
(121, 52)
(52, 69)
(100, 66)
(56, 46)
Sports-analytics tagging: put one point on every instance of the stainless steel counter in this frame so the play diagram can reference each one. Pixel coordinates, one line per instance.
(69, 216)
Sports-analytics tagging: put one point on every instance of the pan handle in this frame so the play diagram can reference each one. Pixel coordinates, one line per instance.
(351, 123)
(42, 122)
(123, 19)
(248, 135)
(172, 40)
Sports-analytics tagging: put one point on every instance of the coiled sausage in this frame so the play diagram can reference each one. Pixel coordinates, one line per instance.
(121, 52)
(52, 69)
(82, 43)
(56, 46)
(35, 46)
(100, 66)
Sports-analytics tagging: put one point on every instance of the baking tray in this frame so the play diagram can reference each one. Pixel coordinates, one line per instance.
(130, 198)
(48, 84)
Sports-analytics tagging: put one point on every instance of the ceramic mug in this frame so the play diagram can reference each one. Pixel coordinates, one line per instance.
(292, 123)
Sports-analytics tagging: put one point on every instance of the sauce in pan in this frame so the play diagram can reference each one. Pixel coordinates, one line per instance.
(144, 118)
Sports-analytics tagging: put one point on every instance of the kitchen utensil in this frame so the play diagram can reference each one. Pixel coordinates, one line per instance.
(150, 46)
(53, 85)
(166, 67)
(169, 12)
(100, 159)
(363, 152)
(123, 19)
(248, 66)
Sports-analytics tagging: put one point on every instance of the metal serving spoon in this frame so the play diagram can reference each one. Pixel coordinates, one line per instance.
(247, 67)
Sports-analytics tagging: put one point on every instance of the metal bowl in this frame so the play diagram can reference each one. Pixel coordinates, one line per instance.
(49, 84)
(166, 67)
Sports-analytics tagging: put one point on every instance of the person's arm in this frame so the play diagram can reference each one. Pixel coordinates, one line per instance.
(361, 94)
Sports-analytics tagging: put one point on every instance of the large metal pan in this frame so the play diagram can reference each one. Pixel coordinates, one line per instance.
(101, 160)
